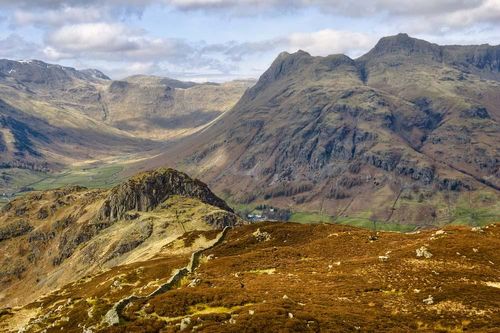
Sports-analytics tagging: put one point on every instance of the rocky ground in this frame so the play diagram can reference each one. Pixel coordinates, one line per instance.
(285, 277)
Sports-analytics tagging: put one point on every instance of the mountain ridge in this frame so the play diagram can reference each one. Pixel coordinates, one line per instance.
(321, 129)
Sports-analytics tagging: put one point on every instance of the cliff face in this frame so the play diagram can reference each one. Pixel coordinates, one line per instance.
(146, 191)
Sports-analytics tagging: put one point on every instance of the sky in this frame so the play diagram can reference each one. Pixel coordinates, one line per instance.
(220, 40)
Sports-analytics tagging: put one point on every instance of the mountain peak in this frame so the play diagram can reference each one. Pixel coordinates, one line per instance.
(95, 73)
(403, 44)
(284, 64)
(147, 190)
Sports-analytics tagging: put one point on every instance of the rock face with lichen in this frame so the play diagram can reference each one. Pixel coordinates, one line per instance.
(146, 191)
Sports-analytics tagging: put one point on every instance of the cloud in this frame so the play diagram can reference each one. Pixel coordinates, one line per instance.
(115, 41)
(430, 15)
(351, 8)
(488, 12)
(328, 41)
(119, 43)
(16, 47)
(354, 8)
(57, 17)
(94, 37)
(64, 3)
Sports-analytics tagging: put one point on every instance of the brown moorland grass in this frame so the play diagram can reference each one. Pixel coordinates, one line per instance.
(305, 278)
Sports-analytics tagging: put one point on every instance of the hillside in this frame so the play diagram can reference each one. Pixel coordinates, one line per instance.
(407, 133)
(51, 238)
(160, 108)
(55, 118)
(286, 277)
(38, 132)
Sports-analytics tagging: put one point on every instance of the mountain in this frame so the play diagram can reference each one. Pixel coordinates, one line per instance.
(162, 108)
(49, 239)
(41, 130)
(407, 133)
(54, 117)
(148, 107)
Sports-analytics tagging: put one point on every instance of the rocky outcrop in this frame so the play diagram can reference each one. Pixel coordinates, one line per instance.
(221, 219)
(146, 191)
(15, 229)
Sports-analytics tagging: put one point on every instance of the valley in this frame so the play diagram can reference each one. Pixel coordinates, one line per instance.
(405, 134)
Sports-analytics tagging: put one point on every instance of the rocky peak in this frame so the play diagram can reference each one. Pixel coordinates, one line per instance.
(36, 72)
(147, 190)
(95, 74)
(284, 64)
(402, 44)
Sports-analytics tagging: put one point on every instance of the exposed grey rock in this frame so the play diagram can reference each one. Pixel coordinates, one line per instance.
(185, 322)
(146, 191)
(14, 229)
(261, 236)
(423, 252)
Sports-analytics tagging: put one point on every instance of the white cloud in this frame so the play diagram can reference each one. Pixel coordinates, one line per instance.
(328, 41)
(58, 17)
(52, 54)
(115, 41)
(94, 37)
(489, 11)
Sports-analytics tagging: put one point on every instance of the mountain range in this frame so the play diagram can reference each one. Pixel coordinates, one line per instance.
(54, 116)
(406, 134)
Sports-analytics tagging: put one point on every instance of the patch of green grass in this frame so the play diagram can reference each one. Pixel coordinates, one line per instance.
(474, 216)
(381, 226)
(12, 180)
(307, 217)
(357, 221)
(3, 201)
(99, 177)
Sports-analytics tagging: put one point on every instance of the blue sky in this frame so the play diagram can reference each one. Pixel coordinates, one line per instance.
(220, 40)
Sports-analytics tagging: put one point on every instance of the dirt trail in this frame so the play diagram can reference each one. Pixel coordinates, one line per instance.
(114, 315)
